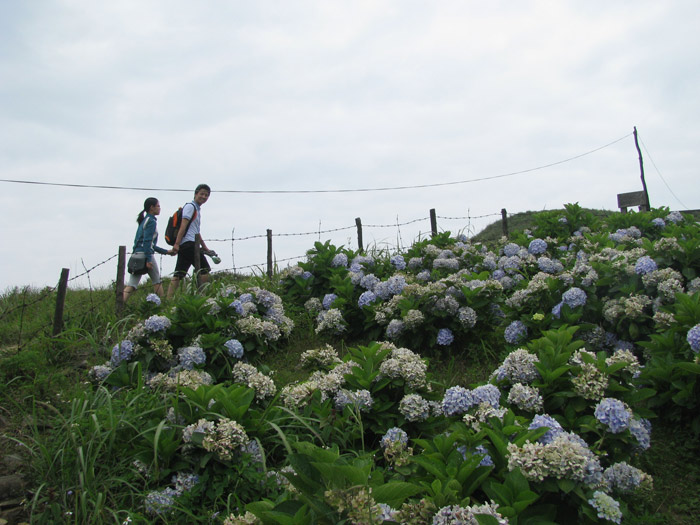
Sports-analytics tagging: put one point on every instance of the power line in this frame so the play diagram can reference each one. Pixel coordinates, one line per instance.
(347, 190)
(661, 176)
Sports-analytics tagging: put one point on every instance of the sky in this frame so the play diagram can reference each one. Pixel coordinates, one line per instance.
(460, 101)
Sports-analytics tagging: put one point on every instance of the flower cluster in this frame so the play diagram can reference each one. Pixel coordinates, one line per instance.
(515, 332)
(693, 338)
(157, 323)
(223, 437)
(191, 356)
(414, 408)
(174, 380)
(445, 337)
(407, 365)
(331, 321)
(606, 507)
(123, 351)
(234, 348)
(248, 375)
(362, 399)
(613, 413)
(518, 367)
(325, 356)
(525, 397)
(153, 298)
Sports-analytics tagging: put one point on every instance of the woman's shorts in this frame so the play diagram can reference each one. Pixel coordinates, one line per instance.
(153, 273)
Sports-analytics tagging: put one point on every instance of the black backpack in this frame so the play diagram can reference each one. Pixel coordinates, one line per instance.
(173, 226)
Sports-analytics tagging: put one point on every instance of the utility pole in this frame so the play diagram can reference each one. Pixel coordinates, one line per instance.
(641, 169)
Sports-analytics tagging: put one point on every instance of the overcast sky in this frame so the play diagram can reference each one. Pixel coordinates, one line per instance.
(329, 95)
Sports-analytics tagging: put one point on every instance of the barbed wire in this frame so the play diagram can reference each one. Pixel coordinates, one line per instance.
(91, 269)
(395, 224)
(468, 217)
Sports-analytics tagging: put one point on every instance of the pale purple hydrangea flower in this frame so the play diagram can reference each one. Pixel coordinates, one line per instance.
(339, 260)
(124, 351)
(366, 298)
(234, 348)
(659, 222)
(153, 298)
(237, 305)
(614, 414)
(394, 328)
(457, 400)
(537, 247)
(645, 265)
(674, 217)
(543, 420)
(398, 262)
(157, 323)
(190, 356)
(445, 337)
(515, 332)
(693, 338)
(328, 300)
(394, 435)
(574, 297)
(511, 249)
(488, 393)
(640, 429)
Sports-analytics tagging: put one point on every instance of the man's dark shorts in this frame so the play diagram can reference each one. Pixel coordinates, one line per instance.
(185, 259)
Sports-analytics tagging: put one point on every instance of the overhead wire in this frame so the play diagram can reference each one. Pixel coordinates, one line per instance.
(345, 190)
(661, 176)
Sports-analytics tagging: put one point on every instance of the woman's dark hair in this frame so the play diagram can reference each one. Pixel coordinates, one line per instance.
(150, 201)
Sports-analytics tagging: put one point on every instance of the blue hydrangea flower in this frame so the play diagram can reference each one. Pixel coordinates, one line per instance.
(556, 310)
(457, 400)
(234, 348)
(398, 262)
(640, 429)
(366, 298)
(515, 332)
(153, 298)
(543, 420)
(693, 338)
(339, 260)
(486, 461)
(659, 222)
(623, 478)
(511, 249)
(548, 265)
(423, 275)
(307, 275)
(563, 220)
(157, 323)
(445, 337)
(487, 394)
(498, 274)
(246, 298)
(161, 501)
(190, 356)
(394, 435)
(537, 247)
(613, 413)
(645, 265)
(574, 297)
(674, 217)
(394, 328)
(122, 352)
(369, 281)
(237, 306)
(328, 300)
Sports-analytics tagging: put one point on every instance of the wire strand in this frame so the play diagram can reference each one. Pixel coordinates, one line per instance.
(347, 190)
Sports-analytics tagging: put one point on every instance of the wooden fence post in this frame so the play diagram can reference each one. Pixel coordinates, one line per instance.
(358, 223)
(433, 223)
(197, 262)
(60, 302)
(269, 253)
(504, 221)
(121, 265)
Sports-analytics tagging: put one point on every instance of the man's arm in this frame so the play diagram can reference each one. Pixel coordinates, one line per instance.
(181, 233)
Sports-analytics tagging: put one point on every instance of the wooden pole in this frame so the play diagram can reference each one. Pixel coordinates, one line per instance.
(121, 265)
(60, 302)
(433, 222)
(358, 223)
(504, 221)
(197, 262)
(641, 170)
(269, 253)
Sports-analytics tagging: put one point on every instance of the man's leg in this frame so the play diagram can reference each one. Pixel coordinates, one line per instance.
(174, 283)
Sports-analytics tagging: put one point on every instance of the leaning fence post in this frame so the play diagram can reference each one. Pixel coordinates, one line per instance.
(358, 223)
(121, 263)
(60, 302)
(197, 261)
(504, 221)
(269, 253)
(433, 223)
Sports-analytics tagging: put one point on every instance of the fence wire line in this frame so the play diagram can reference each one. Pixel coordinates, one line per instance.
(468, 217)
(91, 269)
(390, 188)
(44, 294)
